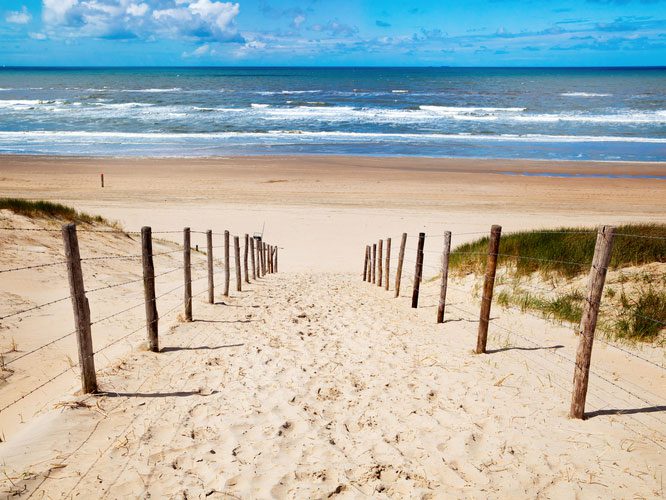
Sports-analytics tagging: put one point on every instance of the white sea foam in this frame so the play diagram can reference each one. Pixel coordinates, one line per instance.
(153, 91)
(469, 109)
(584, 94)
(259, 106)
(400, 91)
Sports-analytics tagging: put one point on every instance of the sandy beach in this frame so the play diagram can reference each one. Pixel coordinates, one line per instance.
(309, 382)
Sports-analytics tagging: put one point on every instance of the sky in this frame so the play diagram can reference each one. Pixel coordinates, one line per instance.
(332, 33)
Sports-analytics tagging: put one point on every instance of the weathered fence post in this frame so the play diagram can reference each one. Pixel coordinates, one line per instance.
(445, 276)
(387, 270)
(209, 258)
(81, 309)
(401, 258)
(101, 177)
(258, 247)
(270, 259)
(245, 258)
(227, 264)
(149, 288)
(254, 269)
(588, 322)
(380, 262)
(239, 278)
(187, 266)
(488, 286)
(418, 271)
(365, 264)
(276, 259)
(262, 258)
(374, 262)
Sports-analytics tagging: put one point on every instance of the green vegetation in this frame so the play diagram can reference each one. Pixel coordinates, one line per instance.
(642, 318)
(48, 209)
(566, 252)
(564, 307)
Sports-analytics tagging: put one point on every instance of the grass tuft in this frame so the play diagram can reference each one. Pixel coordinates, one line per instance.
(47, 209)
(642, 318)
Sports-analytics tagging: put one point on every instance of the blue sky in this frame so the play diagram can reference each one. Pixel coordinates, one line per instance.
(333, 32)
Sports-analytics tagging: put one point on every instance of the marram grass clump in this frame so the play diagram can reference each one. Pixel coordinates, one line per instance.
(48, 209)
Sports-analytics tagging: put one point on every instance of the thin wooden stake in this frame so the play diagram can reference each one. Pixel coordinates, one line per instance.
(101, 178)
(387, 270)
(365, 264)
(401, 258)
(418, 271)
(81, 309)
(445, 276)
(488, 286)
(187, 274)
(374, 262)
(209, 258)
(254, 268)
(149, 288)
(245, 258)
(239, 278)
(227, 264)
(380, 262)
(276, 259)
(588, 323)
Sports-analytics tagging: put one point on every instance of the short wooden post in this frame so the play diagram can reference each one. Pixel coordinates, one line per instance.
(276, 259)
(258, 247)
(445, 276)
(239, 278)
(266, 258)
(262, 267)
(211, 273)
(254, 269)
(246, 254)
(401, 258)
(380, 262)
(365, 264)
(374, 262)
(227, 264)
(418, 271)
(81, 309)
(101, 178)
(149, 288)
(488, 286)
(588, 323)
(270, 259)
(387, 269)
(187, 275)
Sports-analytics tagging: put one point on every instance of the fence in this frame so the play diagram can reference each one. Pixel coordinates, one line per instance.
(372, 273)
(262, 257)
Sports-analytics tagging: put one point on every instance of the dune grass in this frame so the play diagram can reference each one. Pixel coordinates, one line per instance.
(47, 209)
(565, 252)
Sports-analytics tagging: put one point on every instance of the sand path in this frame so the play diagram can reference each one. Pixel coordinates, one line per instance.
(318, 385)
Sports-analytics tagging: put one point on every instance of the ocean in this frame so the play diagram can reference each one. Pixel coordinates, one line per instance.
(568, 114)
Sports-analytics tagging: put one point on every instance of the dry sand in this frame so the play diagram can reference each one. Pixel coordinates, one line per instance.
(311, 383)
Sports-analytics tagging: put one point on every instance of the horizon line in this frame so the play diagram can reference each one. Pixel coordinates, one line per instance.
(6, 67)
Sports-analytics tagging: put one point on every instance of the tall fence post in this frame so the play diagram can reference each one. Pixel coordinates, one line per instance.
(365, 264)
(270, 259)
(187, 275)
(227, 264)
(445, 276)
(374, 262)
(254, 269)
(488, 286)
(418, 271)
(387, 269)
(209, 258)
(149, 288)
(401, 258)
(262, 260)
(588, 323)
(276, 259)
(239, 278)
(380, 262)
(246, 254)
(81, 309)
(258, 247)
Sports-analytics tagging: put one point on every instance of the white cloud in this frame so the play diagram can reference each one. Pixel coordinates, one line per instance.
(37, 36)
(19, 16)
(298, 20)
(210, 20)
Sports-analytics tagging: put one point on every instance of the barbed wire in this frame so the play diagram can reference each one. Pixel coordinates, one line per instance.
(40, 306)
(36, 266)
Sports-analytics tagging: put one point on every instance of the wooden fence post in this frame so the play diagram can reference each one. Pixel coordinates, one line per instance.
(488, 286)
(270, 259)
(374, 262)
(227, 264)
(254, 269)
(588, 323)
(365, 264)
(101, 177)
(149, 288)
(380, 262)
(187, 266)
(276, 259)
(239, 278)
(262, 259)
(418, 271)
(387, 270)
(81, 309)
(401, 258)
(258, 246)
(209, 258)
(245, 258)
(445, 276)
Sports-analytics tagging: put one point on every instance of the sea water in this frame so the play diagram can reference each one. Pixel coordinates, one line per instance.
(571, 114)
